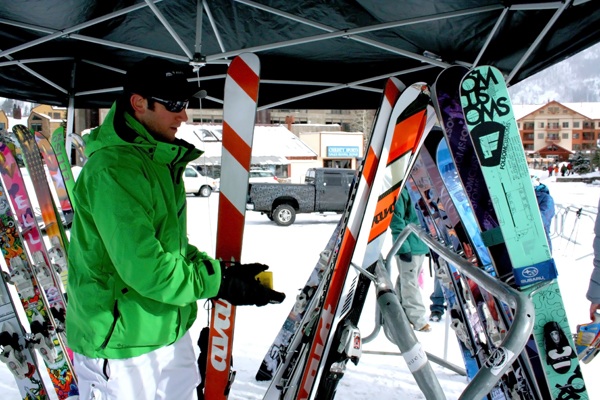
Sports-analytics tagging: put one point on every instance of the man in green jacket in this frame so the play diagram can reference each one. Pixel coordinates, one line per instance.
(134, 279)
(409, 259)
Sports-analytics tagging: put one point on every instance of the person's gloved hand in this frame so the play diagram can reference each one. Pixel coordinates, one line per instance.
(406, 257)
(240, 287)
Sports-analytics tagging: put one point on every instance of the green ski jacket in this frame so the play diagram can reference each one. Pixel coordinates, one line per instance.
(133, 277)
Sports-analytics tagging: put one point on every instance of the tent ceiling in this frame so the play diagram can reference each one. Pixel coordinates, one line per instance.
(314, 54)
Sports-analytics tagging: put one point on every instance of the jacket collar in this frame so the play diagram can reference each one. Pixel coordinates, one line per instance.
(122, 129)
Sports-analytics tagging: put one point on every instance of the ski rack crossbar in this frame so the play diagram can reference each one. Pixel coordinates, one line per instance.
(379, 323)
(518, 334)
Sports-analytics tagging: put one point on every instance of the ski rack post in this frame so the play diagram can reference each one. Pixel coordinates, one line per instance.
(561, 216)
(379, 322)
(517, 335)
(402, 333)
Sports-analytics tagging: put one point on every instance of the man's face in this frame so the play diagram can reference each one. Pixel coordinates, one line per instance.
(158, 120)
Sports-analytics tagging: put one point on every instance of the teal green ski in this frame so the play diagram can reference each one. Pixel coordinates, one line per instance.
(489, 116)
(57, 141)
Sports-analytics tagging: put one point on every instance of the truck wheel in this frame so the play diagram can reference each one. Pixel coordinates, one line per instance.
(204, 191)
(284, 215)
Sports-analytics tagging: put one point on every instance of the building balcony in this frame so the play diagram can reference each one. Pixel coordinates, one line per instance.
(553, 139)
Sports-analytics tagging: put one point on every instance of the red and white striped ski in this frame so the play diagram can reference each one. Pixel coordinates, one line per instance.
(290, 337)
(364, 235)
(239, 114)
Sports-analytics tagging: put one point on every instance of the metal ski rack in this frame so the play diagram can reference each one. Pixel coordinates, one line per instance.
(502, 358)
(379, 323)
(401, 331)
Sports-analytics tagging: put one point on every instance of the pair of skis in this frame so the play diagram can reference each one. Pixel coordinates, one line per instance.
(327, 337)
(511, 226)
(35, 277)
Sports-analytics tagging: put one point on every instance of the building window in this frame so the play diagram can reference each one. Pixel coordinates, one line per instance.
(565, 124)
(576, 147)
(576, 136)
(281, 171)
(565, 135)
(337, 163)
(540, 135)
(36, 127)
(576, 124)
(541, 124)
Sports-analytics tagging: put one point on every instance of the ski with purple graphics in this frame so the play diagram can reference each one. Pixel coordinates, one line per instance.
(36, 280)
(446, 100)
(474, 312)
(495, 318)
(495, 136)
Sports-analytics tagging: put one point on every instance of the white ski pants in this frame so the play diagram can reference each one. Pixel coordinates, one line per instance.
(409, 292)
(168, 373)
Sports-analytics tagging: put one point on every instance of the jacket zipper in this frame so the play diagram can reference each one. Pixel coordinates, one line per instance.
(116, 315)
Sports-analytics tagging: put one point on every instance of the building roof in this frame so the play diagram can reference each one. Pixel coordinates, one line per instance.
(590, 110)
(277, 139)
(271, 143)
(523, 110)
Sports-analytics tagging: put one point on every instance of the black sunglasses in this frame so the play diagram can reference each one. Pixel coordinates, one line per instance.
(173, 106)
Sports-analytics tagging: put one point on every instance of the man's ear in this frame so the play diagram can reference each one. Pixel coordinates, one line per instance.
(139, 104)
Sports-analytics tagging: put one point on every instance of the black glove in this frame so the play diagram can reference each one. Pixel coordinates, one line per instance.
(406, 257)
(240, 287)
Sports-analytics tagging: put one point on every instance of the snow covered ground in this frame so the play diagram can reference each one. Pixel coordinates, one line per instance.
(293, 251)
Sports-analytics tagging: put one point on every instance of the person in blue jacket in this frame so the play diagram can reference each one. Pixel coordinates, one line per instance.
(546, 205)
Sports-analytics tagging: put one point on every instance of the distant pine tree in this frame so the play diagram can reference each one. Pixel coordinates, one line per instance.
(581, 165)
(596, 159)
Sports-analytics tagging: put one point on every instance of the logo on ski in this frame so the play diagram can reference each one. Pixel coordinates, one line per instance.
(221, 325)
(530, 272)
(488, 140)
(478, 105)
(324, 325)
(498, 360)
